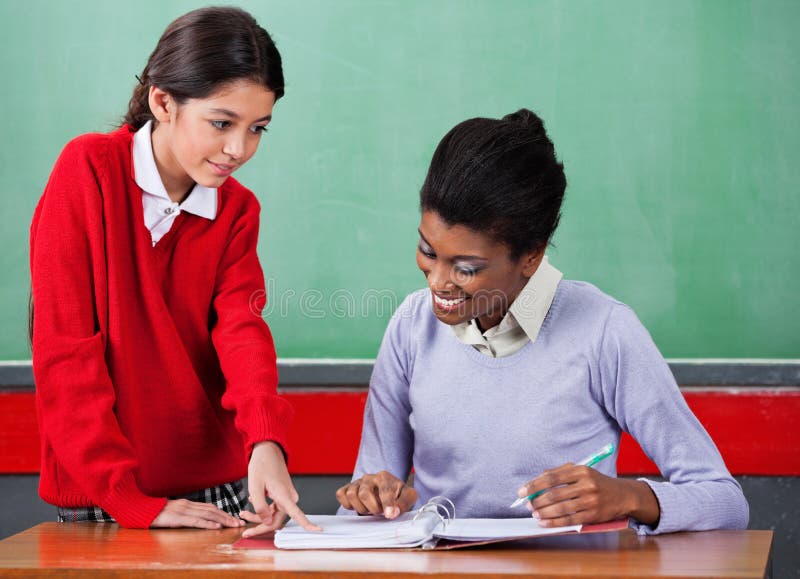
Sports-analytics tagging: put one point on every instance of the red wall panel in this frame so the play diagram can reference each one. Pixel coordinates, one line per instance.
(757, 431)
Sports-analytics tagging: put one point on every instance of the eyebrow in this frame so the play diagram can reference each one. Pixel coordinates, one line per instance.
(455, 257)
(233, 115)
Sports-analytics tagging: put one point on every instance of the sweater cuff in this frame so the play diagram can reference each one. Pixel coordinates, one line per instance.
(667, 505)
(269, 422)
(130, 507)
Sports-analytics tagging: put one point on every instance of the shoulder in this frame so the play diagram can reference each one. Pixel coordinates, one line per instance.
(86, 148)
(414, 303)
(408, 314)
(413, 322)
(92, 150)
(82, 169)
(579, 304)
(586, 294)
(414, 309)
(608, 331)
(411, 328)
(91, 144)
(582, 299)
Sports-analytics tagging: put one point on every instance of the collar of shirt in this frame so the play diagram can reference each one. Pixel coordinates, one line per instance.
(201, 201)
(523, 320)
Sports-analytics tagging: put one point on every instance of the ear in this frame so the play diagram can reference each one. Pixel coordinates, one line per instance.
(531, 262)
(161, 104)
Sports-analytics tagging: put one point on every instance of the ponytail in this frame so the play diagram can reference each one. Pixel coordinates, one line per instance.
(139, 108)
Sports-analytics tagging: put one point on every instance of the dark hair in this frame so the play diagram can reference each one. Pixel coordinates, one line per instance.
(203, 50)
(499, 177)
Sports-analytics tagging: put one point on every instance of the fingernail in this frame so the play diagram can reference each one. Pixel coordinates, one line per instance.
(529, 506)
(535, 514)
(522, 491)
(387, 512)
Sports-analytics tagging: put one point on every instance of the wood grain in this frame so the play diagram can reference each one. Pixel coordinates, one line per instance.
(105, 550)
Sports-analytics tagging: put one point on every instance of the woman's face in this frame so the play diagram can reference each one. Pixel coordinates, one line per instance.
(470, 274)
(205, 140)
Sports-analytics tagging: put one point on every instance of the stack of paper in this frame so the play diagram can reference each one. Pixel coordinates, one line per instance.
(377, 532)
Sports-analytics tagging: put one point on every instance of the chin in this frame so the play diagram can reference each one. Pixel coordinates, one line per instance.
(450, 318)
(213, 182)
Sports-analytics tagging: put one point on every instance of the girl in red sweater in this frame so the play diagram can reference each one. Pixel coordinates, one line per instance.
(155, 372)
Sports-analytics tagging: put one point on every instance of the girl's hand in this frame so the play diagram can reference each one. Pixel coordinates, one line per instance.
(268, 477)
(377, 494)
(185, 513)
(578, 495)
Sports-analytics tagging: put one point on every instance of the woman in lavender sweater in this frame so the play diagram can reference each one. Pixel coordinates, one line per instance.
(492, 382)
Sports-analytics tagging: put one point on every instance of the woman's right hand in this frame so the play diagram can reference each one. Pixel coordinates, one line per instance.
(185, 513)
(377, 494)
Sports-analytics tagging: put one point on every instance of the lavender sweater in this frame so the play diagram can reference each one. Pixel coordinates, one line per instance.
(475, 428)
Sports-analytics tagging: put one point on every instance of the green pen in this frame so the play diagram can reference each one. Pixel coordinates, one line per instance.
(592, 460)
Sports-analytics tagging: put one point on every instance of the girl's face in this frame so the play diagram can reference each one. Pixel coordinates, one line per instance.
(470, 274)
(205, 140)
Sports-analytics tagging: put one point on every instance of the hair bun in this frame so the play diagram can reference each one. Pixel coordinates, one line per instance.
(531, 121)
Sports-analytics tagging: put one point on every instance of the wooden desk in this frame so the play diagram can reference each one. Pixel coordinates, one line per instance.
(105, 550)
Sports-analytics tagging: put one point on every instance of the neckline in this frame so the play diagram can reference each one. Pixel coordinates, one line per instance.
(490, 362)
(142, 233)
(524, 351)
(166, 239)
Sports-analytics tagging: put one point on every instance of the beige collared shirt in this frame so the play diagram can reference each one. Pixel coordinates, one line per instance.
(159, 210)
(523, 320)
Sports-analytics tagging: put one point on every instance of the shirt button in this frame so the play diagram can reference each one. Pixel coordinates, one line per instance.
(169, 210)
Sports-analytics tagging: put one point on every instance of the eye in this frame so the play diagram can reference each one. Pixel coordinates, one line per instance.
(426, 251)
(259, 129)
(221, 125)
(468, 271)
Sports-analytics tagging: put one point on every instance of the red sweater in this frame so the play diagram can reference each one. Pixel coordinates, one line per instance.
(155, 373)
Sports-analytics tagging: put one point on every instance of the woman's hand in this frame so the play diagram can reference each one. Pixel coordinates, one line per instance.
(267, 477)
(185, 513)
(577, 495)
(377, 494)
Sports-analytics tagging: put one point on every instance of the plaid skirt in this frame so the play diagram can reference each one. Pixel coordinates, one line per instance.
(230, 497)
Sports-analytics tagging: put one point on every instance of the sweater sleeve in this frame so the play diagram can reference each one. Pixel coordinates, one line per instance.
(243, 340)
(387, 440)
(641, 394)
(75, 394)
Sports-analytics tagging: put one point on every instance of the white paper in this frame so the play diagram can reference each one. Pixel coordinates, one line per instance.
(374, 532)
(350, 532)
(488, 529)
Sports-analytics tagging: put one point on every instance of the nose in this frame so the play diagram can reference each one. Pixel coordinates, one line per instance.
(439, 277)
(234, 147)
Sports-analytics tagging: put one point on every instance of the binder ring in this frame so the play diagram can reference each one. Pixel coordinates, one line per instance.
(425, 509)
(439, 500)
(435, 506)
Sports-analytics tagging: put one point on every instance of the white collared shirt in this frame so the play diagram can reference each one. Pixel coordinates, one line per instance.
(159, 210)
(523, 320)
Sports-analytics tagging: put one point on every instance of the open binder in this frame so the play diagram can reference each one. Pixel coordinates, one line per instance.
(433, 526)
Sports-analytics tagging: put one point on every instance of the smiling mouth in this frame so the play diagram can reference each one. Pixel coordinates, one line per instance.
(447, 304)
(220, 169)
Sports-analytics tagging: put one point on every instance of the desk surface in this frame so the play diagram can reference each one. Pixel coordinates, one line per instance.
(96, 550)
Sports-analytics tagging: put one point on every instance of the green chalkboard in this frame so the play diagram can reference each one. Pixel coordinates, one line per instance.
(678, 123)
